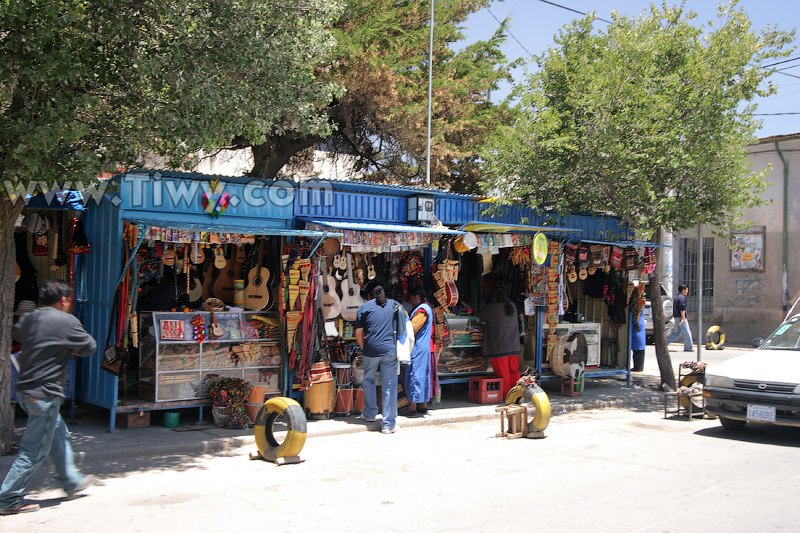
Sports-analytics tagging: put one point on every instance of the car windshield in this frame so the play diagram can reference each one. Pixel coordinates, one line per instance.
(786, 337)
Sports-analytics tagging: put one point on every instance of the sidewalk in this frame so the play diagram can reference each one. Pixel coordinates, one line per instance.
(91, 440)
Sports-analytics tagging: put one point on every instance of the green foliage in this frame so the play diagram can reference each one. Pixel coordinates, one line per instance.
(381, 58)
(646, 118)
(86, 85)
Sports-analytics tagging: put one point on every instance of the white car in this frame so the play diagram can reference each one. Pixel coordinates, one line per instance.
(666, 307)
(762, 385)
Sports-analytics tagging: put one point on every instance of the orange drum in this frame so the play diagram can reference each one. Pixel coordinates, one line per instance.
(358, 400)
(318, 400)
(344, 402)
(342, 371)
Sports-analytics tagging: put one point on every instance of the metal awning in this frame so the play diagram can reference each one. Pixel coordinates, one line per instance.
(477, 226)
(247, 230)
(373, 226)
(624, 244)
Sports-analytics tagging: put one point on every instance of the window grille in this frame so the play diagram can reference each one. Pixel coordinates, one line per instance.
(688, 272)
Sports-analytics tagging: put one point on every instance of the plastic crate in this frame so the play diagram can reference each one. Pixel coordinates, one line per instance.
(485, 390)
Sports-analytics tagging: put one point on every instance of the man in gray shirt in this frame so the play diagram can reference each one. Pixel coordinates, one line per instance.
(49, 336)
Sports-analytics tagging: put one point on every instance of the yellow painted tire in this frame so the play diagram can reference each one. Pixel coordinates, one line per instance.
(295, 419)
(715, 331)
(539, 400)
(687, 381)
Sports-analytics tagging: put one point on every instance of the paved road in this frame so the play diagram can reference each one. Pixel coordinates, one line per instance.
(609, 470)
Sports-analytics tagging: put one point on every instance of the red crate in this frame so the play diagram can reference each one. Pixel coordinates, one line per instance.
(485, 390)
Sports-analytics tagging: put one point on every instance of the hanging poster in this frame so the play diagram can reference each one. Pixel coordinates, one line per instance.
(747, 251)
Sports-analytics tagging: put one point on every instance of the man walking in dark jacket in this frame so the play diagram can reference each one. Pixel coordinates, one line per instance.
(49, 336)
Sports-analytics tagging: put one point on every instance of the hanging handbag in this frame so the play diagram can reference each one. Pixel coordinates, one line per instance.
(114, 356)
(616, 256)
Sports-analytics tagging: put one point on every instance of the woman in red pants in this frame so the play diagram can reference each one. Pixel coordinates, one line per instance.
(501, 339)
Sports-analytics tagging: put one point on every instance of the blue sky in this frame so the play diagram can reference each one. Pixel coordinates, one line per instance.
(534, 23)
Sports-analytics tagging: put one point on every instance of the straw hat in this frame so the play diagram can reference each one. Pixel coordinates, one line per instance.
(24, 306)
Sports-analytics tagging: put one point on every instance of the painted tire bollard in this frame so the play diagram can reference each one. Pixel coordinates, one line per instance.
(712, 333)
(538, 399)
(295, 419)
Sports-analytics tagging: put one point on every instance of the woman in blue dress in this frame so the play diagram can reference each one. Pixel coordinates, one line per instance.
(417, 375)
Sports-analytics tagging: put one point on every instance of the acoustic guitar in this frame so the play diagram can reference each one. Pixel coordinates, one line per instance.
(219, 257)
(223, 286)
(170, 256)
(331, 303)
(208, 278)
(257, 294)
(370, 267)
(351, 295)
(215, 329)
(198, 256)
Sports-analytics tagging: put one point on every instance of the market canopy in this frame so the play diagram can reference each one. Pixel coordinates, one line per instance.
(478, 226)
(378, 227)
(624, 244)
(245, 230)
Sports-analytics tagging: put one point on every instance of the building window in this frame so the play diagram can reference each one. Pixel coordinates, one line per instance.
(688, 273)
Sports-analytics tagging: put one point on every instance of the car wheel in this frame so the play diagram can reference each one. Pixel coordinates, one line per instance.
(732, 424)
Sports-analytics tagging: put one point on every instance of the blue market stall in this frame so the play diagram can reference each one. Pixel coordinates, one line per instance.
(156, 225)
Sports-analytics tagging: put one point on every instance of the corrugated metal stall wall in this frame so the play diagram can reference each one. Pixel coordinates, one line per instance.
(96, 280)
(342, 205)
(454, 211)
(159, 198)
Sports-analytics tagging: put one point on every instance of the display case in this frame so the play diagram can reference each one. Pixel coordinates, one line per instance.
(590, 330)
(176, 356)
(463, 357)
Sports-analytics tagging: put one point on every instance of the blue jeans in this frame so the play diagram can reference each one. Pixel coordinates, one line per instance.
(45, 435)
(684, 331)
(388, 366)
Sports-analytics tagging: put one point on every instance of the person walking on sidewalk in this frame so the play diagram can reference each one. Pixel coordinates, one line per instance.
(417, 375)
(49, 336)
(374, 332)
(681, 321)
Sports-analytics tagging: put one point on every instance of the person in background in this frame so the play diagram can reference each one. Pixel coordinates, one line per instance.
(374, 331)
(48, 336)
(638, 343)
(417, 375)
(501, 339)
(681, 321)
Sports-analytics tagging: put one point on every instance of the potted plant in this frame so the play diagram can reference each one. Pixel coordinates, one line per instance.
(228, 396)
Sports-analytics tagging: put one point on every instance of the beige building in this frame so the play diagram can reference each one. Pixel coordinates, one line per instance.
(748, 290)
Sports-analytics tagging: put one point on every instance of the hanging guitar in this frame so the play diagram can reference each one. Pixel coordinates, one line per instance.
(198, 256)
(331, 303)
(223, 286)
(351, 294)
(257, 294)
(219, 258)
(170, 256)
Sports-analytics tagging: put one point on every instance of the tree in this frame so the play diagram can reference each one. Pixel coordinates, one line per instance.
(87, 85)
(647, 119)
(381, 58)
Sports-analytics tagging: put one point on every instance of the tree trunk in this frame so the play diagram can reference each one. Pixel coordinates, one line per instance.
(8, 215)
(269, 158)
(659, 339)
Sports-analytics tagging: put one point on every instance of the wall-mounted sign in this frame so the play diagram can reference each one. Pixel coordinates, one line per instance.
(748, 249)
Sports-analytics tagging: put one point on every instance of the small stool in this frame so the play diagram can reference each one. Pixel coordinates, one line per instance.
(573, 387)
(689, 409)
(517, 421)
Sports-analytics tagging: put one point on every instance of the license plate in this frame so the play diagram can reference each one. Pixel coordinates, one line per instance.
(760, 413)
